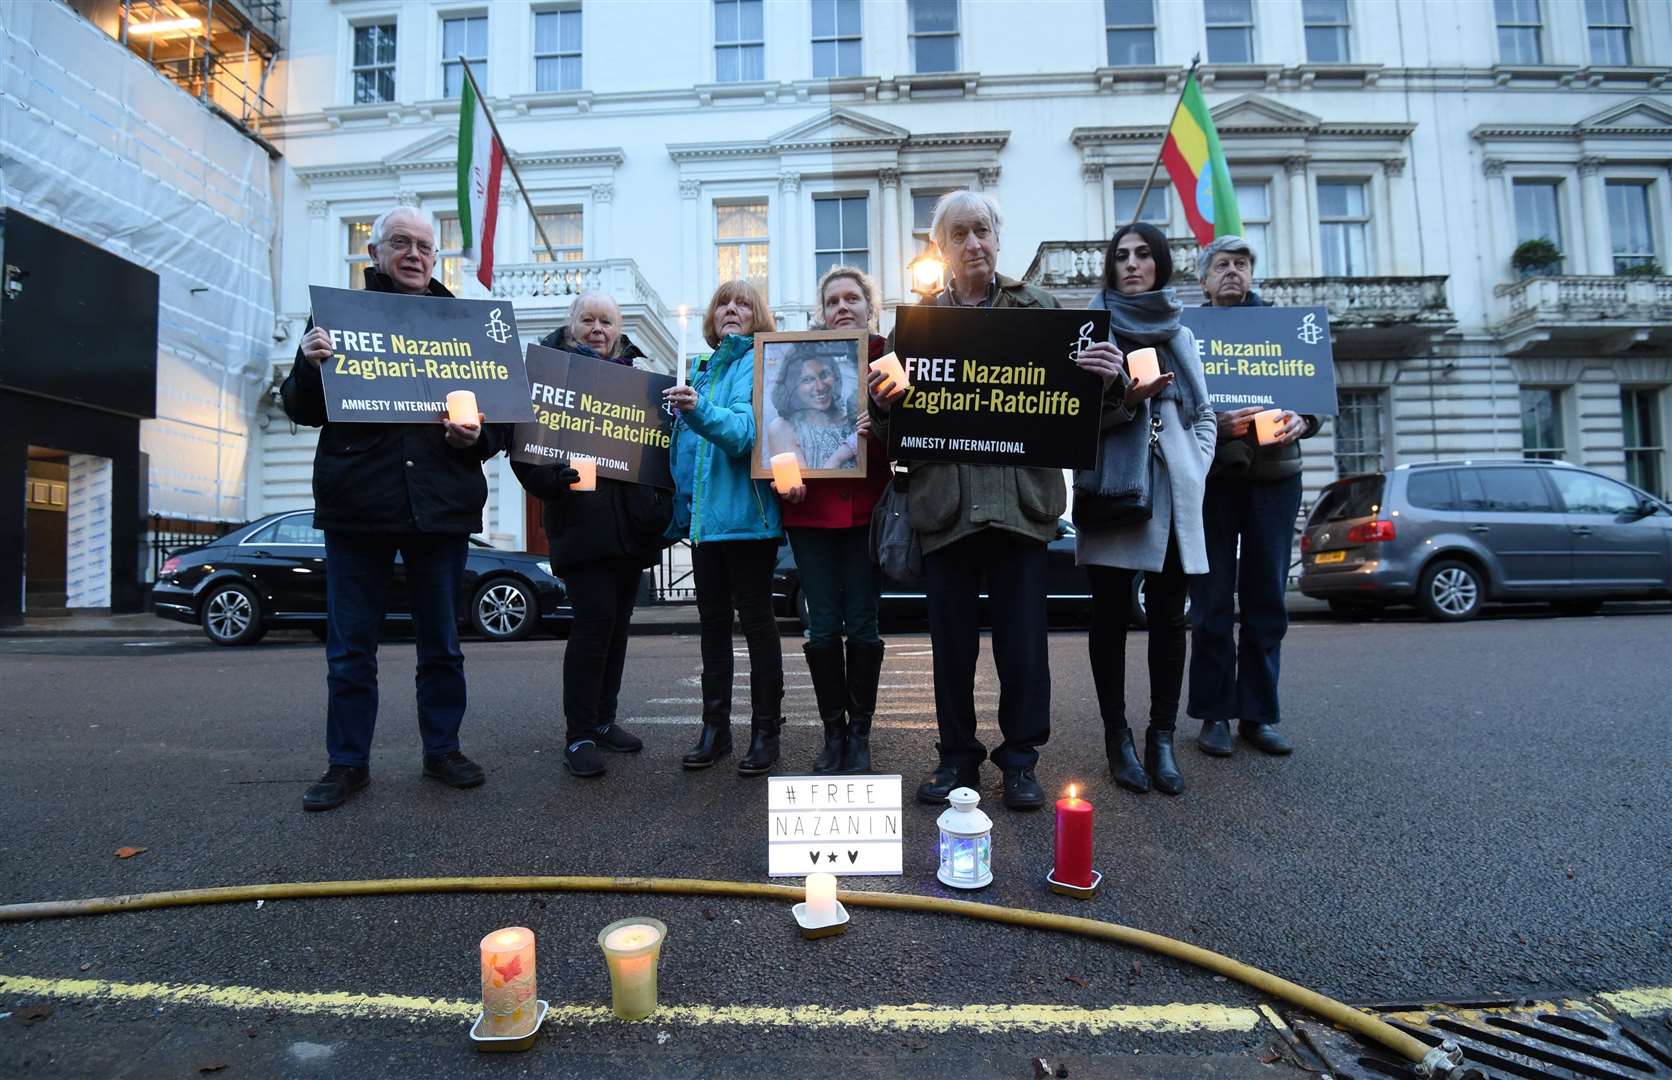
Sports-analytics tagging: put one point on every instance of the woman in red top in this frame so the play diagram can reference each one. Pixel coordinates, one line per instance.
(829, 525)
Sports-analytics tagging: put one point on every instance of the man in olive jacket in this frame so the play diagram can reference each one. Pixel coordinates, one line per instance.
(985, 524)
(416, 490)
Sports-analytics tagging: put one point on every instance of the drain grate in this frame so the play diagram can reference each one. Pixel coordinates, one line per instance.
(1526, 1041)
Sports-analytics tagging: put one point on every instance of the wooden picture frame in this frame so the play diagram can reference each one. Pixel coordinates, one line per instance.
(846, 355)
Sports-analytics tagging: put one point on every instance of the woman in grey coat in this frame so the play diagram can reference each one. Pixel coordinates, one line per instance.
(1169, 546)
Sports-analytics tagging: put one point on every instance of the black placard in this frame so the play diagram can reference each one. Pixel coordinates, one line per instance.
(997, 386)
(586, 407)
(395, 357)
(1265, 357)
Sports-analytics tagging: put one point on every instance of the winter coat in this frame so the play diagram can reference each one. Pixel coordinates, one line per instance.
(713, 444)
(619, 521)
(834, 503)
(948, 501)
(1178, 473)
(1243, 457)
(389, 477)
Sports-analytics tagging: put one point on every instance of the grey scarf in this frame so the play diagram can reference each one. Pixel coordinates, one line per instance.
(1150, 318)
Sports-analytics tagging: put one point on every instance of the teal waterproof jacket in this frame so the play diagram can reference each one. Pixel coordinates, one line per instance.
(713, 444)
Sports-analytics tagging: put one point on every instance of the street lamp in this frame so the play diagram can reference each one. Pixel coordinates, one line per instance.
(966, 842)
(928, 274)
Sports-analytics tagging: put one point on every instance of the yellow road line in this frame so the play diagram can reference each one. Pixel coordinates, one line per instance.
(918, 1018)
(1643, 1001)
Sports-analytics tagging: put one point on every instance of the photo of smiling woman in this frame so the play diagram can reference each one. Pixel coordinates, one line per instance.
(812, 404)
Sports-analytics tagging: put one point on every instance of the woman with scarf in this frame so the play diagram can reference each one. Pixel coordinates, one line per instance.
(829, 522)
(733, 524)
(1168, 421)
(600, 542)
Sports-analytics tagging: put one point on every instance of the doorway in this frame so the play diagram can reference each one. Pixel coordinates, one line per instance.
(67, 532)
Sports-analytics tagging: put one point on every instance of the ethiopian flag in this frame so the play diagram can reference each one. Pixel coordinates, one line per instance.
(1197, 167)
(481, 160)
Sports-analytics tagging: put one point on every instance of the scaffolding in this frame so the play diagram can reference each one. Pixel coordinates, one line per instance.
(219, 51)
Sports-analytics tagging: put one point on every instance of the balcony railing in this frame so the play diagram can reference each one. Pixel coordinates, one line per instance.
(1078, 264)
(1609, 313)
(619, 279)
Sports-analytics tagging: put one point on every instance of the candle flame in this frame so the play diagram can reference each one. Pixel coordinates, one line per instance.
(684, 312)
(507, 938)
(1073, 791)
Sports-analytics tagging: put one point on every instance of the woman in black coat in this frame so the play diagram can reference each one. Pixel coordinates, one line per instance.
(601, 542)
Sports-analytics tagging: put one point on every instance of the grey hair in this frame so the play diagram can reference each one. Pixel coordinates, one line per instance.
(593, 296)
(953, 201)
(380, 227)
(1235, 245)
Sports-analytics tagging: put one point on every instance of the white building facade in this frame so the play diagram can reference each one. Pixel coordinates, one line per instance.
(1389, 157)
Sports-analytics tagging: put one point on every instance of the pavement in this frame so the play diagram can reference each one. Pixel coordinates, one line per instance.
(1474, 811)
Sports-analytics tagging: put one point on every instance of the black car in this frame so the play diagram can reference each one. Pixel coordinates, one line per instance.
(1068, 598)
(271, 572)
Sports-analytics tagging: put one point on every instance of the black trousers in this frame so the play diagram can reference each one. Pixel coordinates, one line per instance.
(737, 574)
(1013, 568)
(602, 594)
(1111, 614)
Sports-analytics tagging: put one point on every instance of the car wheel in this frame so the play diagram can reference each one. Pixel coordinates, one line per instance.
(1140, 606)
(1451, 591)
(231, 615)
(504, 610)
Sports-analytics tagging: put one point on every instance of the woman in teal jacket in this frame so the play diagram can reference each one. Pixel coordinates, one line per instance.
(733, 524)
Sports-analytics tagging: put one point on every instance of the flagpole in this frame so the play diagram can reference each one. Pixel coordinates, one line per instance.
(506, 150)
(1143, 195)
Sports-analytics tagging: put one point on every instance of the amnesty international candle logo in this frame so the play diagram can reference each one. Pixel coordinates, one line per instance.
(394, 358)
(590, 408)
(997, 386)
(1270, 357)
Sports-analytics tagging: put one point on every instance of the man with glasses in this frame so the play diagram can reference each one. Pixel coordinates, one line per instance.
(415, 490)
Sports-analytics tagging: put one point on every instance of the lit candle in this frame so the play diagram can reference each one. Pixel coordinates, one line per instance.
(632, 948)
(821, 899)
(589, 474)
(1268, 426)
(1073, 866)
(684, 342)
(509, 1002)
(1143, 365)
(461, 407)
(786, 472)
(890, 366)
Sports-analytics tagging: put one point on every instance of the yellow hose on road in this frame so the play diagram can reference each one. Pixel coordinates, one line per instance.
(1328, 1008)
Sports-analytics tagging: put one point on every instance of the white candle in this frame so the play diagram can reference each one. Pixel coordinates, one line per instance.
(509, 1004)
(684, 342)
(588, 470)
(461, 407)
(1268, 426)
(632, 949)
(821, 899)
(786, 472)
(1143, 365)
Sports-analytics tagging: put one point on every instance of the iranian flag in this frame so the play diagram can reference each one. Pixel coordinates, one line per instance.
(1198, 169)
(481, 159)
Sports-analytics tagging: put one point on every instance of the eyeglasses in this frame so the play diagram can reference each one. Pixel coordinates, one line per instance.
(402, 242)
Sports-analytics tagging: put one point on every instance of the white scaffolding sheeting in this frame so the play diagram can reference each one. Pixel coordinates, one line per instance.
(95, 142)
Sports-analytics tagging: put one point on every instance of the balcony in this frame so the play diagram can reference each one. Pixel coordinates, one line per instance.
(1369, 316)
(1604, 315)
(542, 292)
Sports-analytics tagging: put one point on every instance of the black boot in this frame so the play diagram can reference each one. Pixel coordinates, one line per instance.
(824, 662)
(1158, 760)
(766, 716)
(1123, 759)
(864, 671)
(715, 741)
(763, 746)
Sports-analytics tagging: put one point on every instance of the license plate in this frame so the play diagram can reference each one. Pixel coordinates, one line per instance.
(1329, 557)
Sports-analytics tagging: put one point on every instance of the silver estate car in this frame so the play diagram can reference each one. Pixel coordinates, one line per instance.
(1450, 536)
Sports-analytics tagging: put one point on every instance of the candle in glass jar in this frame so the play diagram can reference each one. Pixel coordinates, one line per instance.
(895, 374)
(786, 472)
(1268, 426)
(632, 948)
(821, 899)
(1073, 865)
(461, 407)
(1143, 365)
(588, 470)
(509, 1000)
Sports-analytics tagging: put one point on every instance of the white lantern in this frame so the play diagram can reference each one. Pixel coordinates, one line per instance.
(966, 842)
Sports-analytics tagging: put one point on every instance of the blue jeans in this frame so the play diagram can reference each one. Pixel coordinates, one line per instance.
(1234, 675)
(840, 582)
(358, 570)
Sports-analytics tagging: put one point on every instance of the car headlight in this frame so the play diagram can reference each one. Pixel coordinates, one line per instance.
(545, 567)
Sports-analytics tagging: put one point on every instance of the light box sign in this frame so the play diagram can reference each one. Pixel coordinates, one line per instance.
(843, 825)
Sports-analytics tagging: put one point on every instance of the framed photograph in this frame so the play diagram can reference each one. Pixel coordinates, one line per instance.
(809, 395)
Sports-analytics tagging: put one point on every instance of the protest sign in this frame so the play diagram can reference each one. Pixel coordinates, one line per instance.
(394, 357)
(1270, 357)
(997, 386)
(590, 408)
(842, 825)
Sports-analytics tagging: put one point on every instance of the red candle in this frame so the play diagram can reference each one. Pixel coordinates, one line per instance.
(1073, 841)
